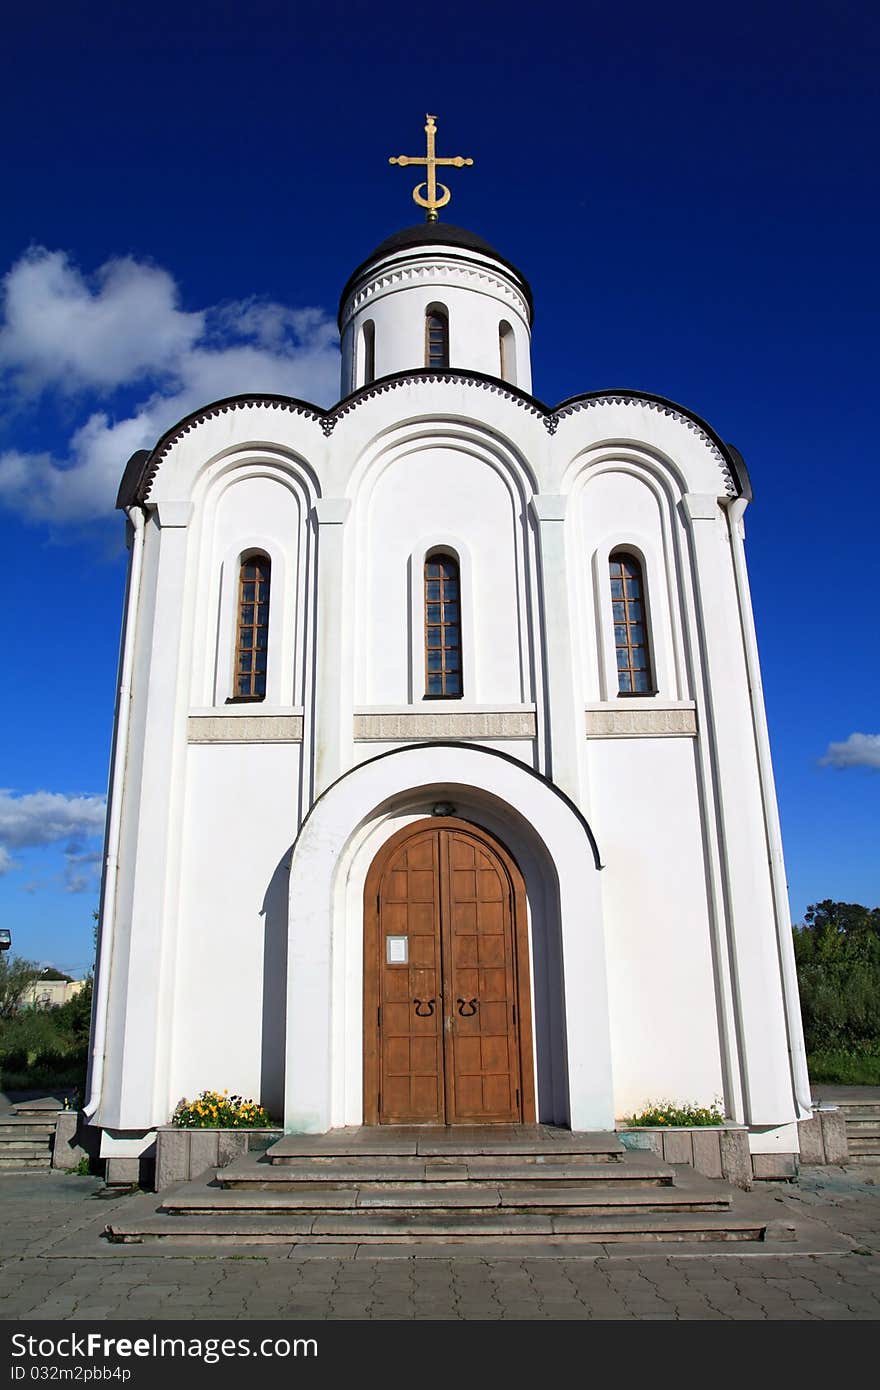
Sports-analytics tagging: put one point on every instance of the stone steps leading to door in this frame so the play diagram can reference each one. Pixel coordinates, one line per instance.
(425, 1190)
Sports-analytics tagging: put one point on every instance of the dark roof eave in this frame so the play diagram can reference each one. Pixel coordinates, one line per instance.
(141, 467)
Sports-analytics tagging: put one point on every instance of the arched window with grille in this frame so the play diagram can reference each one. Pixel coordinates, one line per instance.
(436, 336)
(443, 674)
(252, 628)
(634, 675)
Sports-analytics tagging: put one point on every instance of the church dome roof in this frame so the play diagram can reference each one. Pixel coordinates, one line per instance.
(433, 234)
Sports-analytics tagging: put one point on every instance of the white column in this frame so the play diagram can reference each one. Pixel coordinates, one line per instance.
(567, 726)
(738, 808)
(588, 1036)
(139, 1020)
(797, 1049)
(334, 710)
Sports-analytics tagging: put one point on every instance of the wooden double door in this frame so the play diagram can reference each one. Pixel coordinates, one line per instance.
(447, 1013)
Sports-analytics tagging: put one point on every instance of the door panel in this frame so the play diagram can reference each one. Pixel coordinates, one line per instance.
(482, 1056)
(411, 1034)
(444, 1040)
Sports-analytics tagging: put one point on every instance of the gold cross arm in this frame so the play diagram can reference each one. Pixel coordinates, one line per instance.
(438, 194)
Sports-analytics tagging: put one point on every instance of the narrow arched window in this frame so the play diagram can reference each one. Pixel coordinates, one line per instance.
(443, 677)
(252, 635)
(366, 367)
(507, 352)
(630, 625)
(436, 337)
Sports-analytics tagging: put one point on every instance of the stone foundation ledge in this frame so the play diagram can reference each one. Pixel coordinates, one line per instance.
(182, 1154)
(716, 1152)
(823, 1138)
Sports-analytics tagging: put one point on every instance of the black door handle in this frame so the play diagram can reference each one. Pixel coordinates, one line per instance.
(428, 1007)
(468, 1010)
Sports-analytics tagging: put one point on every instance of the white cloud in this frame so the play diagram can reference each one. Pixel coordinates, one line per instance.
(123, 329)
(859, 750)
(6, 861)
(44, 818)
(59, 328)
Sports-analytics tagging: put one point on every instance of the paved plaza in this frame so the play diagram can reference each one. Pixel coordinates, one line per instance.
(54, 1264)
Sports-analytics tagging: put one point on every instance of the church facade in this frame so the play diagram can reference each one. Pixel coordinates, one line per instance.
(441, 785)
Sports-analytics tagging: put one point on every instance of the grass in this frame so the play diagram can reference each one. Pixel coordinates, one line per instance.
(846, 1066)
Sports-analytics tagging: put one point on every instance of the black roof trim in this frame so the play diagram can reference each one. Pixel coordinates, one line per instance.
(477, 748)
(434, 234)
(130, 481)
(740, 472)
(142, 467)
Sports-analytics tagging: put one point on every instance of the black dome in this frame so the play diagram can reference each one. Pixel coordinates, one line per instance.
(433, 234)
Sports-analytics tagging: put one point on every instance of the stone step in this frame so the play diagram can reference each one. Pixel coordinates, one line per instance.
(17, 1165)
(28, 1148)
(864, 1147)
(26, 1129)
(447, 1142)
(858, 1107)
(857, 1125)
(424, 1229)
(252, 1171)
(414, 1203)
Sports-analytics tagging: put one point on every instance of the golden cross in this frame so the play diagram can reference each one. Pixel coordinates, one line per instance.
(432, 202)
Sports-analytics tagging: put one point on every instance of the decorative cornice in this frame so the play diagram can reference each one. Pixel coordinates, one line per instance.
(429, 270)
(493, 385)
(388, 728)
(664, 408)
(210, 412)
(641, 723)
(140, 475)
(245, 728)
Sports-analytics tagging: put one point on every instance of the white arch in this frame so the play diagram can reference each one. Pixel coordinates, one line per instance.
(343, 831)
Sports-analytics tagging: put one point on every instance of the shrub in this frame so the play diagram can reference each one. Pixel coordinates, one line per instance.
(220, 1110)
(667, 1112)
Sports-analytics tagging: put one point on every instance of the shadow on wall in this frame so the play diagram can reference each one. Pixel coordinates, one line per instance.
(274, 913)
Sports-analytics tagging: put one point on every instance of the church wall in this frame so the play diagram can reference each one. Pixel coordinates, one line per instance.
(475, 304)
(523, 748)
(622, 504)
(229, 1007)
(661, 978)
(429, 498)
(248, 511)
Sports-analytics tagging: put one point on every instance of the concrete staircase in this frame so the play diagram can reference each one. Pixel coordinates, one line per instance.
(862, 1119)
(26, 1138)
(398, 1187)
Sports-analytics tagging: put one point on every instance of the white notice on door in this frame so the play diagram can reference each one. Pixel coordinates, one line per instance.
(396, 950)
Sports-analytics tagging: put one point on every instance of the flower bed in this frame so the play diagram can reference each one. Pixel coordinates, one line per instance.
(220, 1110)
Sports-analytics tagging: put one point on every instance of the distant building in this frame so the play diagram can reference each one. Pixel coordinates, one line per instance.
(48, 994)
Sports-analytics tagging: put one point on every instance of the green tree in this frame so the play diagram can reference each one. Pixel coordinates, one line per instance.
(16, 977)
(837, 950)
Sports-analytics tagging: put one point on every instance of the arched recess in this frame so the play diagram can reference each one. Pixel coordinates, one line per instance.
(472, 491)
(646, 523)
(252, 500)
(556, 852)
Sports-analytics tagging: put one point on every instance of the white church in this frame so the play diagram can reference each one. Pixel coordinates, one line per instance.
(441, 788)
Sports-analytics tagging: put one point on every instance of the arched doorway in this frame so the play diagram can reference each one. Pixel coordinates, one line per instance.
(447, 1009)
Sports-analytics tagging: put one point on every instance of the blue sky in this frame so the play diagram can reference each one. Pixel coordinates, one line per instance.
(691, 191)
